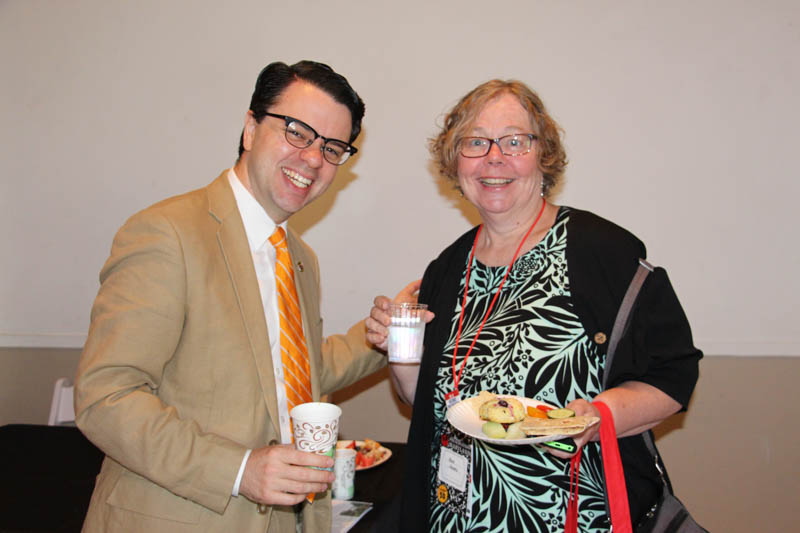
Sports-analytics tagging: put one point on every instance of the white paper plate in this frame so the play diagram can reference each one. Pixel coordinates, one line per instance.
(464, 418)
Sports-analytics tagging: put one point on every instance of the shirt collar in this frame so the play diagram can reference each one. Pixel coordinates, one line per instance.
(257, 224)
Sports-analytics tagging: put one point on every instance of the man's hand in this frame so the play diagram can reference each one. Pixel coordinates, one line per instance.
(279, 475)
(378, 321)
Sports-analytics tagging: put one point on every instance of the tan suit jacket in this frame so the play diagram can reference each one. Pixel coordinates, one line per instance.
(175, 382)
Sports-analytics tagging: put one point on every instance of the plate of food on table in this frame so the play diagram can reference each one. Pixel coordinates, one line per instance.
(369, 453)
(504, 419)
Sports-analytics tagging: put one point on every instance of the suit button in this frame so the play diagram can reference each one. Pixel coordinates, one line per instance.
(273, 442)
(600, 337)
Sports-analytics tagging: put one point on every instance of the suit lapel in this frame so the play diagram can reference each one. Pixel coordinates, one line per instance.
(239, 261)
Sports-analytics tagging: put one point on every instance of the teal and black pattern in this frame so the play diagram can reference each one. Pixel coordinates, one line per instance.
(532, 345)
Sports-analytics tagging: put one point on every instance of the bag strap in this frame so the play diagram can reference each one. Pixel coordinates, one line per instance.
(651, 447)
(609, 447)
(620, 327)
(621, 323)
(624, 315)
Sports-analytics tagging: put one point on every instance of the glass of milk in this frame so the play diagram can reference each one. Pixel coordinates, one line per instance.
(406, 332)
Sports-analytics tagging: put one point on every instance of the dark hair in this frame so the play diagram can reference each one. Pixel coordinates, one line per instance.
(550, 150)
(277, 76)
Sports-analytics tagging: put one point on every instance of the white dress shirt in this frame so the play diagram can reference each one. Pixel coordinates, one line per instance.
(258, 227)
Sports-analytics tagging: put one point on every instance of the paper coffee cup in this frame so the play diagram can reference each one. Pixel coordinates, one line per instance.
(315, 426)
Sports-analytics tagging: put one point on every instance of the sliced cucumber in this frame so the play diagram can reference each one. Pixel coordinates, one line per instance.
(560, 413)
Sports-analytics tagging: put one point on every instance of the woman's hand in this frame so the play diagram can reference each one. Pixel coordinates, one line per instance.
(404, 377)
(582, 408)
(635, 406)
(378, 321)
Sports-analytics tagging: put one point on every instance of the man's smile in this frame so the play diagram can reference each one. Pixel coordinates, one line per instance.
(297, 179)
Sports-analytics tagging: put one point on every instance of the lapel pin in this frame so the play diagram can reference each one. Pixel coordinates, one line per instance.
(300, 266)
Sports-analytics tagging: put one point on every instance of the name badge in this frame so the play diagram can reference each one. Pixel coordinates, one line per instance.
(453, 469)
(452, 398)
(455, 472)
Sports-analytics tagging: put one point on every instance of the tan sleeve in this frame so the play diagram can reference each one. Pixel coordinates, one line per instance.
(348, 358)
(136, 325)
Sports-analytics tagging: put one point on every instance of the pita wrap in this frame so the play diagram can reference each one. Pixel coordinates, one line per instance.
(560, 426)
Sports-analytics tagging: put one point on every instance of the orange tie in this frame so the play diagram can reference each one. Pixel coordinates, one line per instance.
(294, 354)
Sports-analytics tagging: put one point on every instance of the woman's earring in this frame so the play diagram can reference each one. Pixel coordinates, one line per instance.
(541, 189)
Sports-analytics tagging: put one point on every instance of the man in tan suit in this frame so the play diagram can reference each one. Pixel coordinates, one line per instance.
(180, 381)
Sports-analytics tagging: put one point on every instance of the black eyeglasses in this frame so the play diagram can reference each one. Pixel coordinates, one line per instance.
(513, 145)
(301, 135)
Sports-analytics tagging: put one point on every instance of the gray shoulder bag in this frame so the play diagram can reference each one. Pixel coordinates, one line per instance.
(668, 514)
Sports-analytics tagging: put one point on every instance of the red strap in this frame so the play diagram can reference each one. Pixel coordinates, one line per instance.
(457, 377)
(615, 477)
(571, 521)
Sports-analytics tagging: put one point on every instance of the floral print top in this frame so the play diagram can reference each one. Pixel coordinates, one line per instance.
(532, 345)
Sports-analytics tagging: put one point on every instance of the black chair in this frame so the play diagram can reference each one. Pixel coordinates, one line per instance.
(48, 475)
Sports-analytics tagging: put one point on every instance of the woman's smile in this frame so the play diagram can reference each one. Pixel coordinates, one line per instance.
(495, 182)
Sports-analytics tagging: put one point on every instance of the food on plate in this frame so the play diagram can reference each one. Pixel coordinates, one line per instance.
(476, 401)
(560, 413)
(557, 426)
(494, 430)
(515, 432)
(502, 410)
(535, 412)
(367, 453)
(507, 418)
(504, 417)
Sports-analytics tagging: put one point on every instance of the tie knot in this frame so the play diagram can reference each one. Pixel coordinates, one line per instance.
(278, 238)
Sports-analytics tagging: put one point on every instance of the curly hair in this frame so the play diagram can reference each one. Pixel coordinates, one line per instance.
(552, 158)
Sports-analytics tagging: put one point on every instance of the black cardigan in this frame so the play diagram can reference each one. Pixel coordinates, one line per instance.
(657, 348)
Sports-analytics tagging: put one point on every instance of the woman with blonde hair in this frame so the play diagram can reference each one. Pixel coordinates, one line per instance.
(524, 305)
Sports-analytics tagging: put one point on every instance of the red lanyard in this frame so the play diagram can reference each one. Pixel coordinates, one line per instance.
(457, 377)
(616, 492)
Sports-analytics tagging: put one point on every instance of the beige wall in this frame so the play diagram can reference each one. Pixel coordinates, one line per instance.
(659, 102)
(733, 458)
(27, 376)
